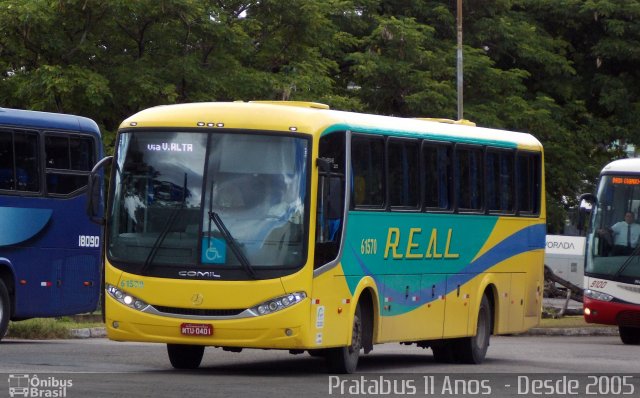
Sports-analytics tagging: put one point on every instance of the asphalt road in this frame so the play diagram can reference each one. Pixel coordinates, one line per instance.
(99, 367)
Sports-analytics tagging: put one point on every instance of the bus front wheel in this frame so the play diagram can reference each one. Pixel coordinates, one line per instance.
(185, 356)
(474, 349)
(5, 309)
(345, 359)
(629, 335)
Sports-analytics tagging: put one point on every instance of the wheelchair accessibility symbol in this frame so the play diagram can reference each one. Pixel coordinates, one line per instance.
(214, 251)
(212, 254)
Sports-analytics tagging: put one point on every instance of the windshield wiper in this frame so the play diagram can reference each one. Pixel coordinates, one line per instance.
(165, 231)
(625, 264)
(233, 244)
(235, 248)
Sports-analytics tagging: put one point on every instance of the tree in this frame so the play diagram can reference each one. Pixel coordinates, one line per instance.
(45, 54)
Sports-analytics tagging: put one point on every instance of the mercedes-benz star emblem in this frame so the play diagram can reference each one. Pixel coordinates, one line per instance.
(197, 299)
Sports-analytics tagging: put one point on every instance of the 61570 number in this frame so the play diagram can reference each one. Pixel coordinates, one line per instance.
(369, 246)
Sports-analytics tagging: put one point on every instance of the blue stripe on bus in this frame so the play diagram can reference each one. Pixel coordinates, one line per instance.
(525, 240)
(20, 224)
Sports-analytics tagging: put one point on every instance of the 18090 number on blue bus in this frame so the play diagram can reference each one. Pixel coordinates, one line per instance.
(88, 241)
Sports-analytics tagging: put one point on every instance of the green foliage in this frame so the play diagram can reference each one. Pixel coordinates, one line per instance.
(51, 328)
(563, 70)
(39, 328)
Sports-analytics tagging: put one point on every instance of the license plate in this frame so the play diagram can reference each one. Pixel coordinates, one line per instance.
(196, 329)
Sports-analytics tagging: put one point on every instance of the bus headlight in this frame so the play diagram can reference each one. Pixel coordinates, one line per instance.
(278, 303)
(593, 294)
(126, 298)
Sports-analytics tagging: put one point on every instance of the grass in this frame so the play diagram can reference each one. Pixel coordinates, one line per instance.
(566, 322)
(47, 328)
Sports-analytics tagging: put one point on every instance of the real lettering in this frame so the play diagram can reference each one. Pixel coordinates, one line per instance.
(419, 246)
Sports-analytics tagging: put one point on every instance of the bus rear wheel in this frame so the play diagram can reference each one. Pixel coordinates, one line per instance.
(629, 335)
(184, 356)
(344, 360)
(474, 349)
(5, 309)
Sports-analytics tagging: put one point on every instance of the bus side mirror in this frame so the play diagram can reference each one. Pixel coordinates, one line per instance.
(586, 202)
(94, 191)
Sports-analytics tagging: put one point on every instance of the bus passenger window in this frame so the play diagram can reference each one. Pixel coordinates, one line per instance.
(65, 156)
(437, 165)
(404, 175)
(368, 171)
(528, 184)
(469, 178)
(57, 150)
(19, 173)
(81, 153)
(499, 186)
(6, 161)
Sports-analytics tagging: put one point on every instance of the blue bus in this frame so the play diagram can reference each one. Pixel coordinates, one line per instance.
(49, 248)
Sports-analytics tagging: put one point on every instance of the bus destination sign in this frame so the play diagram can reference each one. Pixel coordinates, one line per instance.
(626, 180)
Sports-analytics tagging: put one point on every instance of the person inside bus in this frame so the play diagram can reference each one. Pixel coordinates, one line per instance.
(623, 235)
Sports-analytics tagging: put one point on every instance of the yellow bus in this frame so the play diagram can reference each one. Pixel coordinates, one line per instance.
(288, 225)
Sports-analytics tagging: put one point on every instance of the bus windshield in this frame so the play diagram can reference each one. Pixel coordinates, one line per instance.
(614, 249)
(209, 200)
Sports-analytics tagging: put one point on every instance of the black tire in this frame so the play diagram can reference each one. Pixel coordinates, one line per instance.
(344, 360)
(629, 335)
(474, 349)
(184, 356)
(5, 309)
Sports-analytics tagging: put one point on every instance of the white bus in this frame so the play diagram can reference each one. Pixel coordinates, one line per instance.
(612, 272)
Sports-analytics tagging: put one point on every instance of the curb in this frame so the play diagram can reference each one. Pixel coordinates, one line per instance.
(589, 331)
(87, 333)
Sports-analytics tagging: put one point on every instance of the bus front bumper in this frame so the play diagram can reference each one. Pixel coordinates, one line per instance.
(280, 330)
(611, 313)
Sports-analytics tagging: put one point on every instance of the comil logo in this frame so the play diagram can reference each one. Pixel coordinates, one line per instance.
(34, 386)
